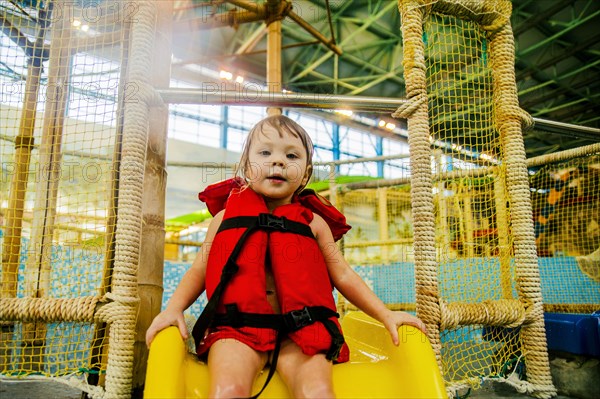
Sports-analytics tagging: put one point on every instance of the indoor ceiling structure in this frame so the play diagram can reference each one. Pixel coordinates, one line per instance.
(355, 48)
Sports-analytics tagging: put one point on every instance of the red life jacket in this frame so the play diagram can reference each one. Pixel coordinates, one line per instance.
(238, 255)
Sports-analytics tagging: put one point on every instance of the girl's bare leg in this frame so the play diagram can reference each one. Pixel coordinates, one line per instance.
(305, 376)
(233, 367)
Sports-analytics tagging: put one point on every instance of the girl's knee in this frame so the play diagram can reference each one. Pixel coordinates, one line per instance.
(229, 388)
(314, 389)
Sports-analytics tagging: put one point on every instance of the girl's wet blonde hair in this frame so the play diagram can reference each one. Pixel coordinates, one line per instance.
(282, 124)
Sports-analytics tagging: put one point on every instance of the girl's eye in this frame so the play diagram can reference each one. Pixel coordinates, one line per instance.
(265, 153)
(292, 156)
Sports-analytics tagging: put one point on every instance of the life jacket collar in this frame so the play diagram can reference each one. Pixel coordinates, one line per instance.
(216, 195)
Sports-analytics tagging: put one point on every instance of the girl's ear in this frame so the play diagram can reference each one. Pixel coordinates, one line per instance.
(307, 175)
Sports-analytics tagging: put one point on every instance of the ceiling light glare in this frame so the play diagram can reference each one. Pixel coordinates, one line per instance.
(225, 75)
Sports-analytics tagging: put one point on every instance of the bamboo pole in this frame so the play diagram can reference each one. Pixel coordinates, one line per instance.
(16, 203)
(37, 272)
(23, 145)
(274, 56)
(384, 233)
(504, 247)
(467, 222)
(442, 207)
(151, 265)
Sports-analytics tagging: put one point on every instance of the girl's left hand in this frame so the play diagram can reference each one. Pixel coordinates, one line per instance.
(395, 319)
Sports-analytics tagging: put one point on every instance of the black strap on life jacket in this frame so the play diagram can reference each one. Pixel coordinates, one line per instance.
(285, 323)
(282, 323)
(267, 221)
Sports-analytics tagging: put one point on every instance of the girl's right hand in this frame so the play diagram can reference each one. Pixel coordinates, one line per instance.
(163, 320)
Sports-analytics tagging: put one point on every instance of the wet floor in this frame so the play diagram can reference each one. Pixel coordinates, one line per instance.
(37, 389)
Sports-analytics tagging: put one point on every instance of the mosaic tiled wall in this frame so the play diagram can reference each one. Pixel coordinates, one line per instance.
(72, 262)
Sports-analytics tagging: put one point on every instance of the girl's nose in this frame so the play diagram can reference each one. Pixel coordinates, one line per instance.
(277, 161)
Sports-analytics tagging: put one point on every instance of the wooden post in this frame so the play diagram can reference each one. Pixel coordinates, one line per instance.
(37, 272)
(151, 265)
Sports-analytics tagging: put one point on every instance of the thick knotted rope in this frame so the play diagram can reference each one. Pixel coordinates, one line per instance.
(501, 312)
(48, 309)
(509, 120)
(490, 15)
(121, 310)
(412, 13)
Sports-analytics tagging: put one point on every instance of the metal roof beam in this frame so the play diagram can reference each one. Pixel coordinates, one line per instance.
(555, 36)
(564, 76)
(347, 56)
(362, 28)
(569, 51)
(554, 94)
(538, 17)
(375, 28)
(547, 110)
(333, 80)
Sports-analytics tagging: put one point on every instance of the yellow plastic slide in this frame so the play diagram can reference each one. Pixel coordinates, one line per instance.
(377, 368)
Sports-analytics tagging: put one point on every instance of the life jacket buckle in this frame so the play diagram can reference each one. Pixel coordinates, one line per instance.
(270, 221)
(300, 318)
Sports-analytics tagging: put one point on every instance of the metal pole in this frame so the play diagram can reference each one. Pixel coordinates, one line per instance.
(248, 97)
(566, 129)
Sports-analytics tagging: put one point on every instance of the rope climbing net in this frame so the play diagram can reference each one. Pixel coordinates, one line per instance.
(73, 144)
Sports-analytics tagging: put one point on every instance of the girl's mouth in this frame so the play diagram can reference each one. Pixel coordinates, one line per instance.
(276, 178)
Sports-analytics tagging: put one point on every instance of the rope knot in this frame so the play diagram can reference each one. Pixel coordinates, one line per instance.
(116, 307)
(526, 120)
(448, 318)
(409, 107)
(142, 91)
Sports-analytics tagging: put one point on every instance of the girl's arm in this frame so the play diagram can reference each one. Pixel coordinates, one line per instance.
(353, 288)
(189, 289)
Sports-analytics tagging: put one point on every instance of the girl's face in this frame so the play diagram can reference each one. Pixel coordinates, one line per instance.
(277, 166)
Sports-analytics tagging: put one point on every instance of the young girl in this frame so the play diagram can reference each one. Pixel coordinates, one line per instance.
(268, 264)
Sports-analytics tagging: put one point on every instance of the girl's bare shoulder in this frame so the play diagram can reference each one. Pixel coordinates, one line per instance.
(319, 227)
